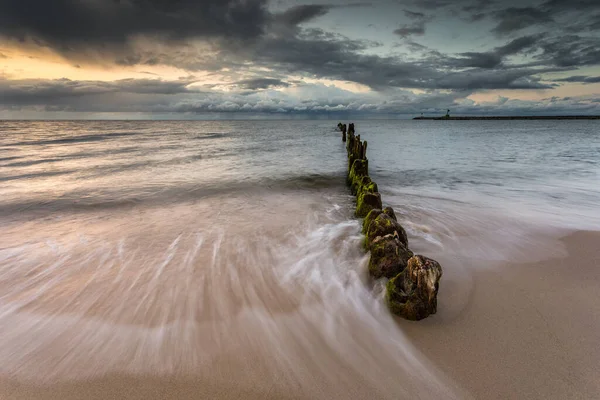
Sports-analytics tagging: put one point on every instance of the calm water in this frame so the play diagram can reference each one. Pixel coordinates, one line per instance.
(205, 248)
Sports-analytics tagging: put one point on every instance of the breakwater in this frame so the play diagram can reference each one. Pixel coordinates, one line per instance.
(411, 291)
(511, 117)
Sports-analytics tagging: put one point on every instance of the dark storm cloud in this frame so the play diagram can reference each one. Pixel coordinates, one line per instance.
(70, 24)
(299, 14)
(594, 23)
(40, 92)
(476, 60)
(409, 30)
(431, 4)
(250, 40)
(323, 55)
(564, 31)
(510, 17)
(414, 14)
(515, 19)
(414, 46)
(341, 58)
(569, 5)
(417, 27)
(580, 79)
(518, 45)
(493, 58)
(570, 51)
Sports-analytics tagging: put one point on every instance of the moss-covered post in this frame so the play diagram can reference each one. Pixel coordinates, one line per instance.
(411, 291)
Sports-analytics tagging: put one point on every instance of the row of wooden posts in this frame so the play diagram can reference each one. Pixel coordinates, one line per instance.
(411, 291)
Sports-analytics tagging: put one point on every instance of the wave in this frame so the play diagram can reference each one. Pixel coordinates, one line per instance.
(291, 301)
(73, 139)
(11, 158)
(32, 162)
(211, 136)
(35, 175)
(100, 137)
(149, 196)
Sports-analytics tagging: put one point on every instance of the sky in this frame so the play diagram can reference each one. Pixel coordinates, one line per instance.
(221, 59)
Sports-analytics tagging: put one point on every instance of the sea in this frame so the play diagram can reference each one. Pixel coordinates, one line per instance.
(229, 250)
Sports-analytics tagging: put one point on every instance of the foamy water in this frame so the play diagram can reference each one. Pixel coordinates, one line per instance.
(227, 250)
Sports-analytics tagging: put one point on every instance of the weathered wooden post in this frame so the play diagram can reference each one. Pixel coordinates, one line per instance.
(412, 289)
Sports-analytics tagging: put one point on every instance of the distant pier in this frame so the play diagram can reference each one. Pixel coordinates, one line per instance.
(512, 117)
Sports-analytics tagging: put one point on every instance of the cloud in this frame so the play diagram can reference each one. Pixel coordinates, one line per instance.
(522, 78)
(594, 24)
(65, 91)
(493, 58)
(517, 18)
(518, 45)
(562, 15)
(579, 105)
(259, 55)
(569, 5)
(68, 25)
(580, 79)
(409, 30)
(303, 13)
(179, 97)
(154, 96)
(414, 15)
(570, 51)
(72, 26)
(416, 28)
(414, 46)
(261, 83)
(434, 4)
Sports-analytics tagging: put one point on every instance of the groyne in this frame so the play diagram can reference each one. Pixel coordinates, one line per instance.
(411, 291)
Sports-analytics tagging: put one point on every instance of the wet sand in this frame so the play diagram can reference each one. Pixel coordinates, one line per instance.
(528, 331)
(523, 331)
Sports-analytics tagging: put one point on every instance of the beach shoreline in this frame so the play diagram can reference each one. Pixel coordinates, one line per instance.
(528, 329)
(521, 334)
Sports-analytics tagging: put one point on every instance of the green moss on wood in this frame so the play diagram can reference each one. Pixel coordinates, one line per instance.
(370, 218)
(383, 225)
(366, 185)
(367, 202)
(412, 294)
(389, 257)
(390, 212)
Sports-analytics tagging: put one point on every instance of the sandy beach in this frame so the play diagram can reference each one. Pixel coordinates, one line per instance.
(299, 200)
(529, 331)
(526, 331)
(143, 265)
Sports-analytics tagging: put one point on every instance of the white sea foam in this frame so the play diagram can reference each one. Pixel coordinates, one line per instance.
(288, 301)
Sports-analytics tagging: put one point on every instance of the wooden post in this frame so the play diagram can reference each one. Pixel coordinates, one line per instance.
(407, 294)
